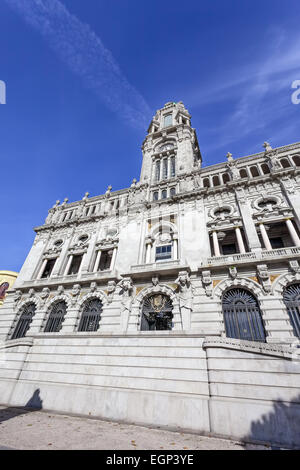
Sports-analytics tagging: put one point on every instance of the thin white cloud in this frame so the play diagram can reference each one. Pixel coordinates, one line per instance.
(258, 94)
(84, 53)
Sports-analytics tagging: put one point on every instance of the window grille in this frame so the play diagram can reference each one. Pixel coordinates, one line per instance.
(25, 319)
(56, 317)
(91, 315)
(242, 316)
(291, 298)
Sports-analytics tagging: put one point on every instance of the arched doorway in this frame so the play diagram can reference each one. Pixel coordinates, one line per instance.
(291, 298)
(91, 315)
(24, 321)
(157, 313)
(242, 316)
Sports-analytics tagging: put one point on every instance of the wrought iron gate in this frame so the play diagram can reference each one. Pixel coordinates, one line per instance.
(91, 315)
(157, 313)
(24, 321)
(242, 316)
(291, 298)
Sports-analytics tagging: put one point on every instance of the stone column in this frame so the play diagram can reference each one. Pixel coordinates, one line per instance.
(68, 265)
(148, 251)
(42, 269)
(265, 237)
(248, 223)
(292, 232)
(96, 265)
(175, 247)
(113, 259)
(240, 240)
(216, 244)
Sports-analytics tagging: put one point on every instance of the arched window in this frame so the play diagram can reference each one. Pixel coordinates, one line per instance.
(164, 194)
(226, 178)
(91, 315)
(172, 192)
(206, 183)
(242, 316)
(243, 173)
(285, 163)
(56, 317)
(25, 319)
(216, 180)
(254, 171)
(291, 298)
(155, 196)
(265, 168)
(296, 160)
(157, 313)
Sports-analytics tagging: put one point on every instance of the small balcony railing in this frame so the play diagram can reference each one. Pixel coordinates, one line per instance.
(239, 258)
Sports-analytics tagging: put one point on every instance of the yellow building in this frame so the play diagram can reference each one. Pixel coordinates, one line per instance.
(7, 279)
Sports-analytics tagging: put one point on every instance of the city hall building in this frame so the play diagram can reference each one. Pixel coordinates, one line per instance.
(174, 302)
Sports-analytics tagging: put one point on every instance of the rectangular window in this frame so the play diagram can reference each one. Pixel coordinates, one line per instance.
(105, 260)
(168, 120)
(165, 169)
(172, 167)
(163, 253)
(157, 171)
(229, 249)
(276, 242)
(48, 268)
(75, 265)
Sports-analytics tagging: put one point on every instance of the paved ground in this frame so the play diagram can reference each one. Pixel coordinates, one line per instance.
(33, 430)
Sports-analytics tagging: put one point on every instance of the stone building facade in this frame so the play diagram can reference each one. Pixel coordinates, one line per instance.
(189, 263)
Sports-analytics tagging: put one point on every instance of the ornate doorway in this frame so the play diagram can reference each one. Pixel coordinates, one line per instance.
(291, 298)
(242, 316)
(157, 313)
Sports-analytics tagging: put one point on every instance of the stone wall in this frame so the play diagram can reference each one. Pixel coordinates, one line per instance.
(229, 388)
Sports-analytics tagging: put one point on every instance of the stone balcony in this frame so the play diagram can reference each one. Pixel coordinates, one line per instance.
(264, 255)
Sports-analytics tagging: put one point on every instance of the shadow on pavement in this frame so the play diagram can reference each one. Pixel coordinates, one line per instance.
(35, 403)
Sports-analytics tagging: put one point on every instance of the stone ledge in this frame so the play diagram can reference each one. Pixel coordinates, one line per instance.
(253, 346)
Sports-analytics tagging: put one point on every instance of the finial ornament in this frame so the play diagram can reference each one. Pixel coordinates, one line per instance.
(267, 146)
(56, 204)
(134, 181)
(86, 195)
(229, 157)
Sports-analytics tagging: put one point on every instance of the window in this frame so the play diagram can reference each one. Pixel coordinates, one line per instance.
(291, 298)
(276, 242)
(48, 268)
(91, 315)
(155, 196)
(164, 194)
(168, 120)
(163, 253)
(157, 171)
(229, 249)
(243, 174)
(56, 317)
(24, 321)
(242, 316)
(172, 167)
(75, 264)
(105, 260)
(172, 192)
(165, 169)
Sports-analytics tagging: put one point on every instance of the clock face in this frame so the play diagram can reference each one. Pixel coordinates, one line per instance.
(166, 147)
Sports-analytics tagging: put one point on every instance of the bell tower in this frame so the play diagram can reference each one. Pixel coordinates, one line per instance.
(171, 147)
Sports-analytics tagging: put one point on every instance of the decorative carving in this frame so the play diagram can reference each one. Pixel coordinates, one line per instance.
(44, 295)
(111, 287)
(155, 280)
(17, 296)
(294, 266)
(207, 283)
(185, 298)
(126, 291)
(75, 293)
(264, 277)
(233, 272)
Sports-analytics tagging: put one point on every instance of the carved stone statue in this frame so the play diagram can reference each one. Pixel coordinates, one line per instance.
(111, 287)
(126, 289)
(185, 298)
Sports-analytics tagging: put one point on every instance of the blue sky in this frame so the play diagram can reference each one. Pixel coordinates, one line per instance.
(85, 77)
